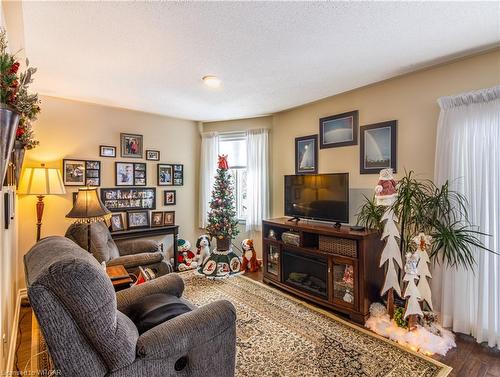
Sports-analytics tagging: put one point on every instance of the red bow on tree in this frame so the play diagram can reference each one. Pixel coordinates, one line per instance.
(223, 162)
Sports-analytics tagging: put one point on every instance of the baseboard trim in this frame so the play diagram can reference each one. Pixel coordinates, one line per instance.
(22, 293)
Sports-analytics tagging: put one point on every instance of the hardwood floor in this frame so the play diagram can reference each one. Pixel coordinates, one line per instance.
(468, 359)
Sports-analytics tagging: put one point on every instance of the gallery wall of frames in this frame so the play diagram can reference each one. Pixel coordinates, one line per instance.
(132, 200)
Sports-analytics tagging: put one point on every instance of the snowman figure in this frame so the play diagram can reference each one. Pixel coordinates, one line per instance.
(385, 191)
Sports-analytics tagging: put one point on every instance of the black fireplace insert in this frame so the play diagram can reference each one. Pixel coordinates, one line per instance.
(306, 272)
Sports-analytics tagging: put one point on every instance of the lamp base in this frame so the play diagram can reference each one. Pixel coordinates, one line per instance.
(39, 214)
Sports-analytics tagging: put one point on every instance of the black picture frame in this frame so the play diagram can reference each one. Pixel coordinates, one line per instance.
(152, 155)
(89, 172)
(349, 119)
(118, 225)
(135, 173)
(156, 218)
(165, 174)
(168, 218)
(171, 195)
(306, 142)
(119, 199)
(126, 150)
(138, 215)
(103, 148)
(178, 172)
(387, 138)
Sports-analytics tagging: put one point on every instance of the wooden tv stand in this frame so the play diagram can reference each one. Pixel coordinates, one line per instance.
(334, 267)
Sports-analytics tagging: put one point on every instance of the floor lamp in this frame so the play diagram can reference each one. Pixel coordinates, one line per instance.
(88, 209)
(41, 181)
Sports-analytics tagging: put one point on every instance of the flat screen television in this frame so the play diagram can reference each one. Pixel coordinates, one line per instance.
(319, 197)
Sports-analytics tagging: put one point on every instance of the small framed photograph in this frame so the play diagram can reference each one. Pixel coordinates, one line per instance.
(169, 218)
(107, 151)
(140, 174)
(124, 173)
(138, 219)
(169, 197)
(152, 155)
(306, 155)
(165, 175)
(378, 147)
(74, 172)
(117, 222)
(338, 130)
(92, 173)
(156, 218)
(131, 145)
(178, 175)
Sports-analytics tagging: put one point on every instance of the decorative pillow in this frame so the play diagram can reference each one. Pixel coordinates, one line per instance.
(152, 310)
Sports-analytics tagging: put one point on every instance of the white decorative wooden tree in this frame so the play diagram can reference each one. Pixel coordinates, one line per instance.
(390, 255)
(423, 242)
(412, 293)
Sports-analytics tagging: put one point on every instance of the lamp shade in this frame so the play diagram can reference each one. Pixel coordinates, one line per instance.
(41, 181)
(88, 207)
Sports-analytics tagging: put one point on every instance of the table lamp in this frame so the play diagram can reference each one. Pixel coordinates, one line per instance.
(41, 181)
(88, 209)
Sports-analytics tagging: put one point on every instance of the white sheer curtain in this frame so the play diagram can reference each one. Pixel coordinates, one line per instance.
(208, 167)
(257, 178)
(468, 155)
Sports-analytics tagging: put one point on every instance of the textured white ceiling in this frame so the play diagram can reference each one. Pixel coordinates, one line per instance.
(270, 56)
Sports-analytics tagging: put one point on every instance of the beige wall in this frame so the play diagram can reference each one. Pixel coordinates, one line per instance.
(71, 129)
(410, 99)
(235, 126)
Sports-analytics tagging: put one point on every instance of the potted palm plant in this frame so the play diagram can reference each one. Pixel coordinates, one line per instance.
(421, 206)
(17, 105)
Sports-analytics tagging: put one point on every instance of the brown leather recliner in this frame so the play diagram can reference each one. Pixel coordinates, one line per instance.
(129, 253)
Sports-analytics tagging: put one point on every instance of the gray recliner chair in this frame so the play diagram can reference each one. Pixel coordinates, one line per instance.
(88, 332)
(129, 253)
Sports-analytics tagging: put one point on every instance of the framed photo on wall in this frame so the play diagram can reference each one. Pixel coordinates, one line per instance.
(306, 154)
(378, 147)
(169, 197)
(74, 172)
(169, 218)
(152, 155)
(138, 219)
(92, 173)
(130, 174)
(178, 174)
(165, 175)
(107, 151)
(156, 218)
(117, 222)
(338, 130)
(131, 145)
(121, 199)
(124, 173)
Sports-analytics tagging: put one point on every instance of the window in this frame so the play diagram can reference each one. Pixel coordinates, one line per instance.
(235, 146)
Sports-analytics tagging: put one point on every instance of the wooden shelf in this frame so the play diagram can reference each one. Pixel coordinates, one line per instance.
(363, 261)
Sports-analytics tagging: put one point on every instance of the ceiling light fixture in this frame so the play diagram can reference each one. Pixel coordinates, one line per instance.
(211, 81)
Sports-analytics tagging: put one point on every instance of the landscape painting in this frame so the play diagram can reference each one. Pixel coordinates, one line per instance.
(378, 147)
(339, 130)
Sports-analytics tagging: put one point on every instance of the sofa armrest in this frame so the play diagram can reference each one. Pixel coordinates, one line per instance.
(136, 260)
(136, 246)
(170, 284)
(177, 336)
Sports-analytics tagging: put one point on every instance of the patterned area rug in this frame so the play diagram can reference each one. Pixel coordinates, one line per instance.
(280, 336)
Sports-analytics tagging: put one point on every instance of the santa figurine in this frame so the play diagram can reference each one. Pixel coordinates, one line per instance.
(385, 191)
(186, 259)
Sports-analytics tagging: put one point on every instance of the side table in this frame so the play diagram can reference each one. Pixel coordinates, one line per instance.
(119, 277)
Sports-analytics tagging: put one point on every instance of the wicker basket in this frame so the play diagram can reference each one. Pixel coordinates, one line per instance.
(339, 246)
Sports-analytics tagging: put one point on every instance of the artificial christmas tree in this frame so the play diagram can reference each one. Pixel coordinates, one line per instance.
(223, 226)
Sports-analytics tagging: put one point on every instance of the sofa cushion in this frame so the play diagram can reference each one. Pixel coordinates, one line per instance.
(152, 310)
(102, 246)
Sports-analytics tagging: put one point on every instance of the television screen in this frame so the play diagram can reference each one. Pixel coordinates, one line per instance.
(319, 196)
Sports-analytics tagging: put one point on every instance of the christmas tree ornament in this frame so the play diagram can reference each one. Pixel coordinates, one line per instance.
(222, 226)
